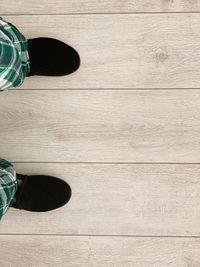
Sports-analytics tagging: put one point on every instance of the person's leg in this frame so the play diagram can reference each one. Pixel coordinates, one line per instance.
(49, 57)
(21, 57)
(36, 193)
(14, 58)
(21, 43)
(8, 186)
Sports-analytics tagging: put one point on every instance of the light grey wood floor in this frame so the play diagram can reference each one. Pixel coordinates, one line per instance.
(124, 131)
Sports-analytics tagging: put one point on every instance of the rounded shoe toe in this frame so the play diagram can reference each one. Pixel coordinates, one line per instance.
(44, 193)
(52, 57)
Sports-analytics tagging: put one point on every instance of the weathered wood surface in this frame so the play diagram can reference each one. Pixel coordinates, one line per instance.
(122, 51)
(116, 199)
(100, 126)
(85, 6)
(84, 251)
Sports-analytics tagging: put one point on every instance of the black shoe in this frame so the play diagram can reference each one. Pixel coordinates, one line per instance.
(41, 193)
(51, 57)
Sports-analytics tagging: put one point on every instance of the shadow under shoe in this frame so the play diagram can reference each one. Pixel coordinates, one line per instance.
(40, 193)
(51, 57)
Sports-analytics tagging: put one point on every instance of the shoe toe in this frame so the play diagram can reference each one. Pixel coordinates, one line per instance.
(52, 57)
(44, 193)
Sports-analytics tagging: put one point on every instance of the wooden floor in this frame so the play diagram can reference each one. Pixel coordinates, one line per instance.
(123, 131)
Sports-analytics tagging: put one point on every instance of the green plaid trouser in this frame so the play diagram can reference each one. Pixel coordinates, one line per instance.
(14, 67)
(14, 57)
(8, 186)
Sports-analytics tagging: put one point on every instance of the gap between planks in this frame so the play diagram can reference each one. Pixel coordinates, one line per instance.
(89, 235)
(107, 163)
(103, 13)
(103, 89)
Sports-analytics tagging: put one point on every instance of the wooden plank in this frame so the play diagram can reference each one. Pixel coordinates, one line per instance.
(65, 251)
(116, 199)
(100, 126)
(105, 6)
(122, 51)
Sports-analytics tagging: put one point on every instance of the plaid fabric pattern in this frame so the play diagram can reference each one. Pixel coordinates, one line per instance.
(14, 58)
(8, 186)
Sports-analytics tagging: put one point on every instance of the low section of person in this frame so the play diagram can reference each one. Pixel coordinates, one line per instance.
(36, 193)
(21, 58)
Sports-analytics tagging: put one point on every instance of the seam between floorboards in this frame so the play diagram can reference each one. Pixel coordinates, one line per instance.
(104, 13)
(103, 89)
(108, 163)
(88, 235)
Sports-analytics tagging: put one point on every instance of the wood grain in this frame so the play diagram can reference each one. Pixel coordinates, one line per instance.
(122, 51)
(100, 126)
(65, 251)
(116, 199)
(114, 206)
(105, 6)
